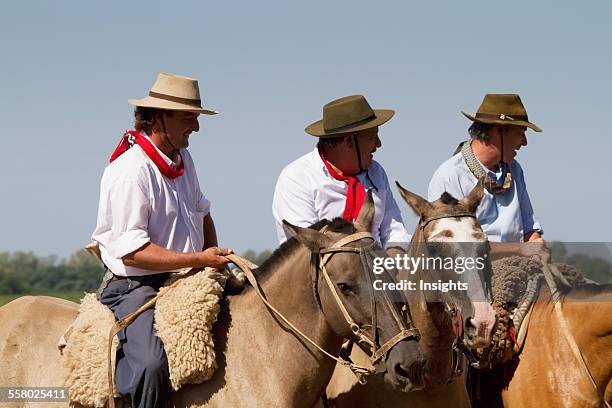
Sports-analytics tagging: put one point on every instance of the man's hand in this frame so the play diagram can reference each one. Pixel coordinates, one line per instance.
(214, 257)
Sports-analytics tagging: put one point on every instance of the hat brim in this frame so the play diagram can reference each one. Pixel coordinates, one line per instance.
(151, 102)
(503, 122)
(380, 117)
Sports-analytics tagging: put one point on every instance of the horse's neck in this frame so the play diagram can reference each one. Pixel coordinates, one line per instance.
(593, 334)
(286, 363)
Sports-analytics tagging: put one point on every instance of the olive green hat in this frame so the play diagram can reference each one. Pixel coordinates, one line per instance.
(502, 109)
(349, 114)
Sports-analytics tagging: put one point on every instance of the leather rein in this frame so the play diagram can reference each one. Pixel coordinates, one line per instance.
(323, 256)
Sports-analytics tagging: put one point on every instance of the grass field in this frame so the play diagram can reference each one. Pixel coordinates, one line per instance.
(72, 296)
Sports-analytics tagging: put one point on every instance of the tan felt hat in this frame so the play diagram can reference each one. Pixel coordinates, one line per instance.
(348, 114)
(174, 92)
(502, 109)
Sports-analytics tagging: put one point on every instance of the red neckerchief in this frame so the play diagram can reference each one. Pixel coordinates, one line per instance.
(355, 194)
(130, 137)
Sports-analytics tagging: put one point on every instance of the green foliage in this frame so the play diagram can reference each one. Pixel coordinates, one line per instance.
(25, 273)
(594, 268)
(255, 257)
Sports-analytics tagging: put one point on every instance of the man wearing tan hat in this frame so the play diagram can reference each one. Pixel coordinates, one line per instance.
(505, 212)
(331, 181)
(152, 219)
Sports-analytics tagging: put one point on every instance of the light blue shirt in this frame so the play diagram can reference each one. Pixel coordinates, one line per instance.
(505, 217)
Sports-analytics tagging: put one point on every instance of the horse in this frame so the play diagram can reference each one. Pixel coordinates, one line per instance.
(447, 228)
(547, 370)
(262, 362)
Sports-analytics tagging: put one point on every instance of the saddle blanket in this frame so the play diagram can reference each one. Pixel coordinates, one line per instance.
(184, 316)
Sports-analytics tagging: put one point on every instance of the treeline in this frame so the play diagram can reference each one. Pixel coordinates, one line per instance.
(26, 273)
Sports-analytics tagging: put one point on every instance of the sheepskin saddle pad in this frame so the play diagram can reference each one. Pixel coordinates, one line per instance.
(184, 316)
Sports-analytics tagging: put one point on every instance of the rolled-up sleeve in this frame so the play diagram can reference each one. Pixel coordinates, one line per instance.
(125, 212)
(292, 202)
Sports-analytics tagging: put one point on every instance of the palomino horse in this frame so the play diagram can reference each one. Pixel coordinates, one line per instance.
(447, 229)
(262, 363)
(547, 373)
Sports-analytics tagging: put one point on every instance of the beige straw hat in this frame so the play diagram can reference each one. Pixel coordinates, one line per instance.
(174, 92)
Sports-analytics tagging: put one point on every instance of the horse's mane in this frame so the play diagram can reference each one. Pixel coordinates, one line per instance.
(289, 247)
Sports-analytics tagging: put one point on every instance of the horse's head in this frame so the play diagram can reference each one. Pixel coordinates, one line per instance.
(455, 248)
(342, 254)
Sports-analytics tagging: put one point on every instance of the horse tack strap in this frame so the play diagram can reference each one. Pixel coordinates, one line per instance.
(423, 222)
(404, 334)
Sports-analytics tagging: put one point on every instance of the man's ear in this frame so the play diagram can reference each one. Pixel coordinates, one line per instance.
(312, 239)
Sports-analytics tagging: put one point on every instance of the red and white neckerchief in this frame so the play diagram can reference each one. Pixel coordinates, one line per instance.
(355, 195)
(132, 137)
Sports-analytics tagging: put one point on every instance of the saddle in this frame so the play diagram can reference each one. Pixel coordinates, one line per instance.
(185, 311)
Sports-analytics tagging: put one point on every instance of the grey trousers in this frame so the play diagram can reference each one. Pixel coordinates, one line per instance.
(142, 366)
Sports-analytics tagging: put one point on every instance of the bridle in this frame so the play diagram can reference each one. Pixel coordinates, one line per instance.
(407, 330)
(320, 258)
(454, 312)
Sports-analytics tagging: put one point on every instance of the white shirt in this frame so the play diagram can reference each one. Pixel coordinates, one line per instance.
(138, 204)
(306, 193)
(503, 217)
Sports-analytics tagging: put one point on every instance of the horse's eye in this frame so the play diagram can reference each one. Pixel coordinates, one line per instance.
(344, 288)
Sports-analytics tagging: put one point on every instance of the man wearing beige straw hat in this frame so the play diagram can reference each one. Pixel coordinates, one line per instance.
(152, 219)
(331, 181)
(505, 212)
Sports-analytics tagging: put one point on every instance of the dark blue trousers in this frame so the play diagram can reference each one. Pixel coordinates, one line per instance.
(142, 366)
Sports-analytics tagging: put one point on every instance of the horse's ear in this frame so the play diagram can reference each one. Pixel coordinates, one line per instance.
(472, 201)
(309, 237)
(418, 204)
(366, 214)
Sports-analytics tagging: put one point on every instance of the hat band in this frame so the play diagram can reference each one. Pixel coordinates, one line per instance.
(186, 101)
(349, 125)
(501, 116)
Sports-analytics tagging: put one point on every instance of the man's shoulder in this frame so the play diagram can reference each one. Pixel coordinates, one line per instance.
(450, 167)
(301, 166)
(132, 164)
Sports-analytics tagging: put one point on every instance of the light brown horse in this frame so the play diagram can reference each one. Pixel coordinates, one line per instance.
(262, 363)
(547, 373)
(449, 227)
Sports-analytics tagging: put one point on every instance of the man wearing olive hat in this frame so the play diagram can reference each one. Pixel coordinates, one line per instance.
(331, 181)
(505, 212)
(152, 219)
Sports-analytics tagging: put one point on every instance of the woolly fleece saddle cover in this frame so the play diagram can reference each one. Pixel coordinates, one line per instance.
(184, 316)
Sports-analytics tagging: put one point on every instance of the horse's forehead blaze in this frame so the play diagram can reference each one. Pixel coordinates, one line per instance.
(456, 229)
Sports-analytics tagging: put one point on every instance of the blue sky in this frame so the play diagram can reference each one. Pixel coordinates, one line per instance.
(69, 67)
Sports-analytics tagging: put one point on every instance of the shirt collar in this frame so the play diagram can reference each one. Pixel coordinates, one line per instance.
(162, 154)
